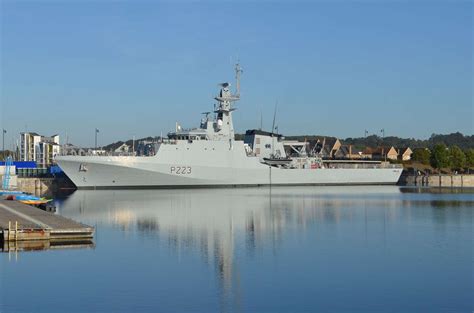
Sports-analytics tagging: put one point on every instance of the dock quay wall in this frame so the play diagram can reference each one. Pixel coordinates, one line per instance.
(41, 185)
(36, 185)
(438, 180)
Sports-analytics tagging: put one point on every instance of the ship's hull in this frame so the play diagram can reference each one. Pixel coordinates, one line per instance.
(135, 172)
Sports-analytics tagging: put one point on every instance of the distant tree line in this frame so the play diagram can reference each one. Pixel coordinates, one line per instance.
(454, 139)
(441, 157)
(374, 141)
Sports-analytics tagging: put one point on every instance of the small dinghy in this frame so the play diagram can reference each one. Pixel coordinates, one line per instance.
(27, 199)
(277, 161)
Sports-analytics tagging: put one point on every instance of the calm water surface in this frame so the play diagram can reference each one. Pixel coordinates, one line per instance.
(314, 249)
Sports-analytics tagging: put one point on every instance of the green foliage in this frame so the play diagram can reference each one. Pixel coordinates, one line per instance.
(421, 155)
(470, 158)
(457, 157)
(4, 154)
(440, 157)
(454, 139)
(458, 139)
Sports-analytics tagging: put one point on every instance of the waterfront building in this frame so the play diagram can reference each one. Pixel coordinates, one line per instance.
(38, 148)
(382, 153)
(352, 153)
(329, 147)
(405, 154)
(70, 149)
(123, 148)
(96, 152)
(392, 153)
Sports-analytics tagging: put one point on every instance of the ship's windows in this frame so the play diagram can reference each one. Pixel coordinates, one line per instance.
(257, 141)
(268, 146)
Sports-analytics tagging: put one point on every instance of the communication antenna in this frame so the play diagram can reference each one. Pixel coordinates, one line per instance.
(238, 71)
(133, 145)
(274, 116)
(273, 127)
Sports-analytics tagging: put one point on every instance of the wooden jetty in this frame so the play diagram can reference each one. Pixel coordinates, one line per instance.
(21, 222)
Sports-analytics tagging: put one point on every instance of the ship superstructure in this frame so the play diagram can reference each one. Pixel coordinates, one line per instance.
(209, 156)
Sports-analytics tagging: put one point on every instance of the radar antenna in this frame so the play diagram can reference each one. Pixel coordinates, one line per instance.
(206, 114)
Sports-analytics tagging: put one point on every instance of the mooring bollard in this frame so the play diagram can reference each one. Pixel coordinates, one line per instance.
(9, 229)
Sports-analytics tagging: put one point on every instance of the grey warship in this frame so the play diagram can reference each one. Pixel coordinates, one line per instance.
(209, 156)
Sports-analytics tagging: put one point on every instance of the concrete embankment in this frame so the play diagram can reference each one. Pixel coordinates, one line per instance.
(35, 185)
(458, 180)
(42, 185)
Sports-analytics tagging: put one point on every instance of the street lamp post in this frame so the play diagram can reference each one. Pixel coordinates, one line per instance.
(4, 131)
(96, 132)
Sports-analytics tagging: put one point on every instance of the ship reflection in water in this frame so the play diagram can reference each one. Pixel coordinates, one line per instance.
(261, 242)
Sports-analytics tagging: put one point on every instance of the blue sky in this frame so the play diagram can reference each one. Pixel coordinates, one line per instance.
(134, 68)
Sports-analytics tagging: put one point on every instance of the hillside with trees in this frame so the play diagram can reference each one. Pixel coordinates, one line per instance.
(374, 141)
(454, 139)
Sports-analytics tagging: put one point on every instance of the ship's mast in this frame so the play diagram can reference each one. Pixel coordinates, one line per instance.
(238, 71)
(224, 126)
